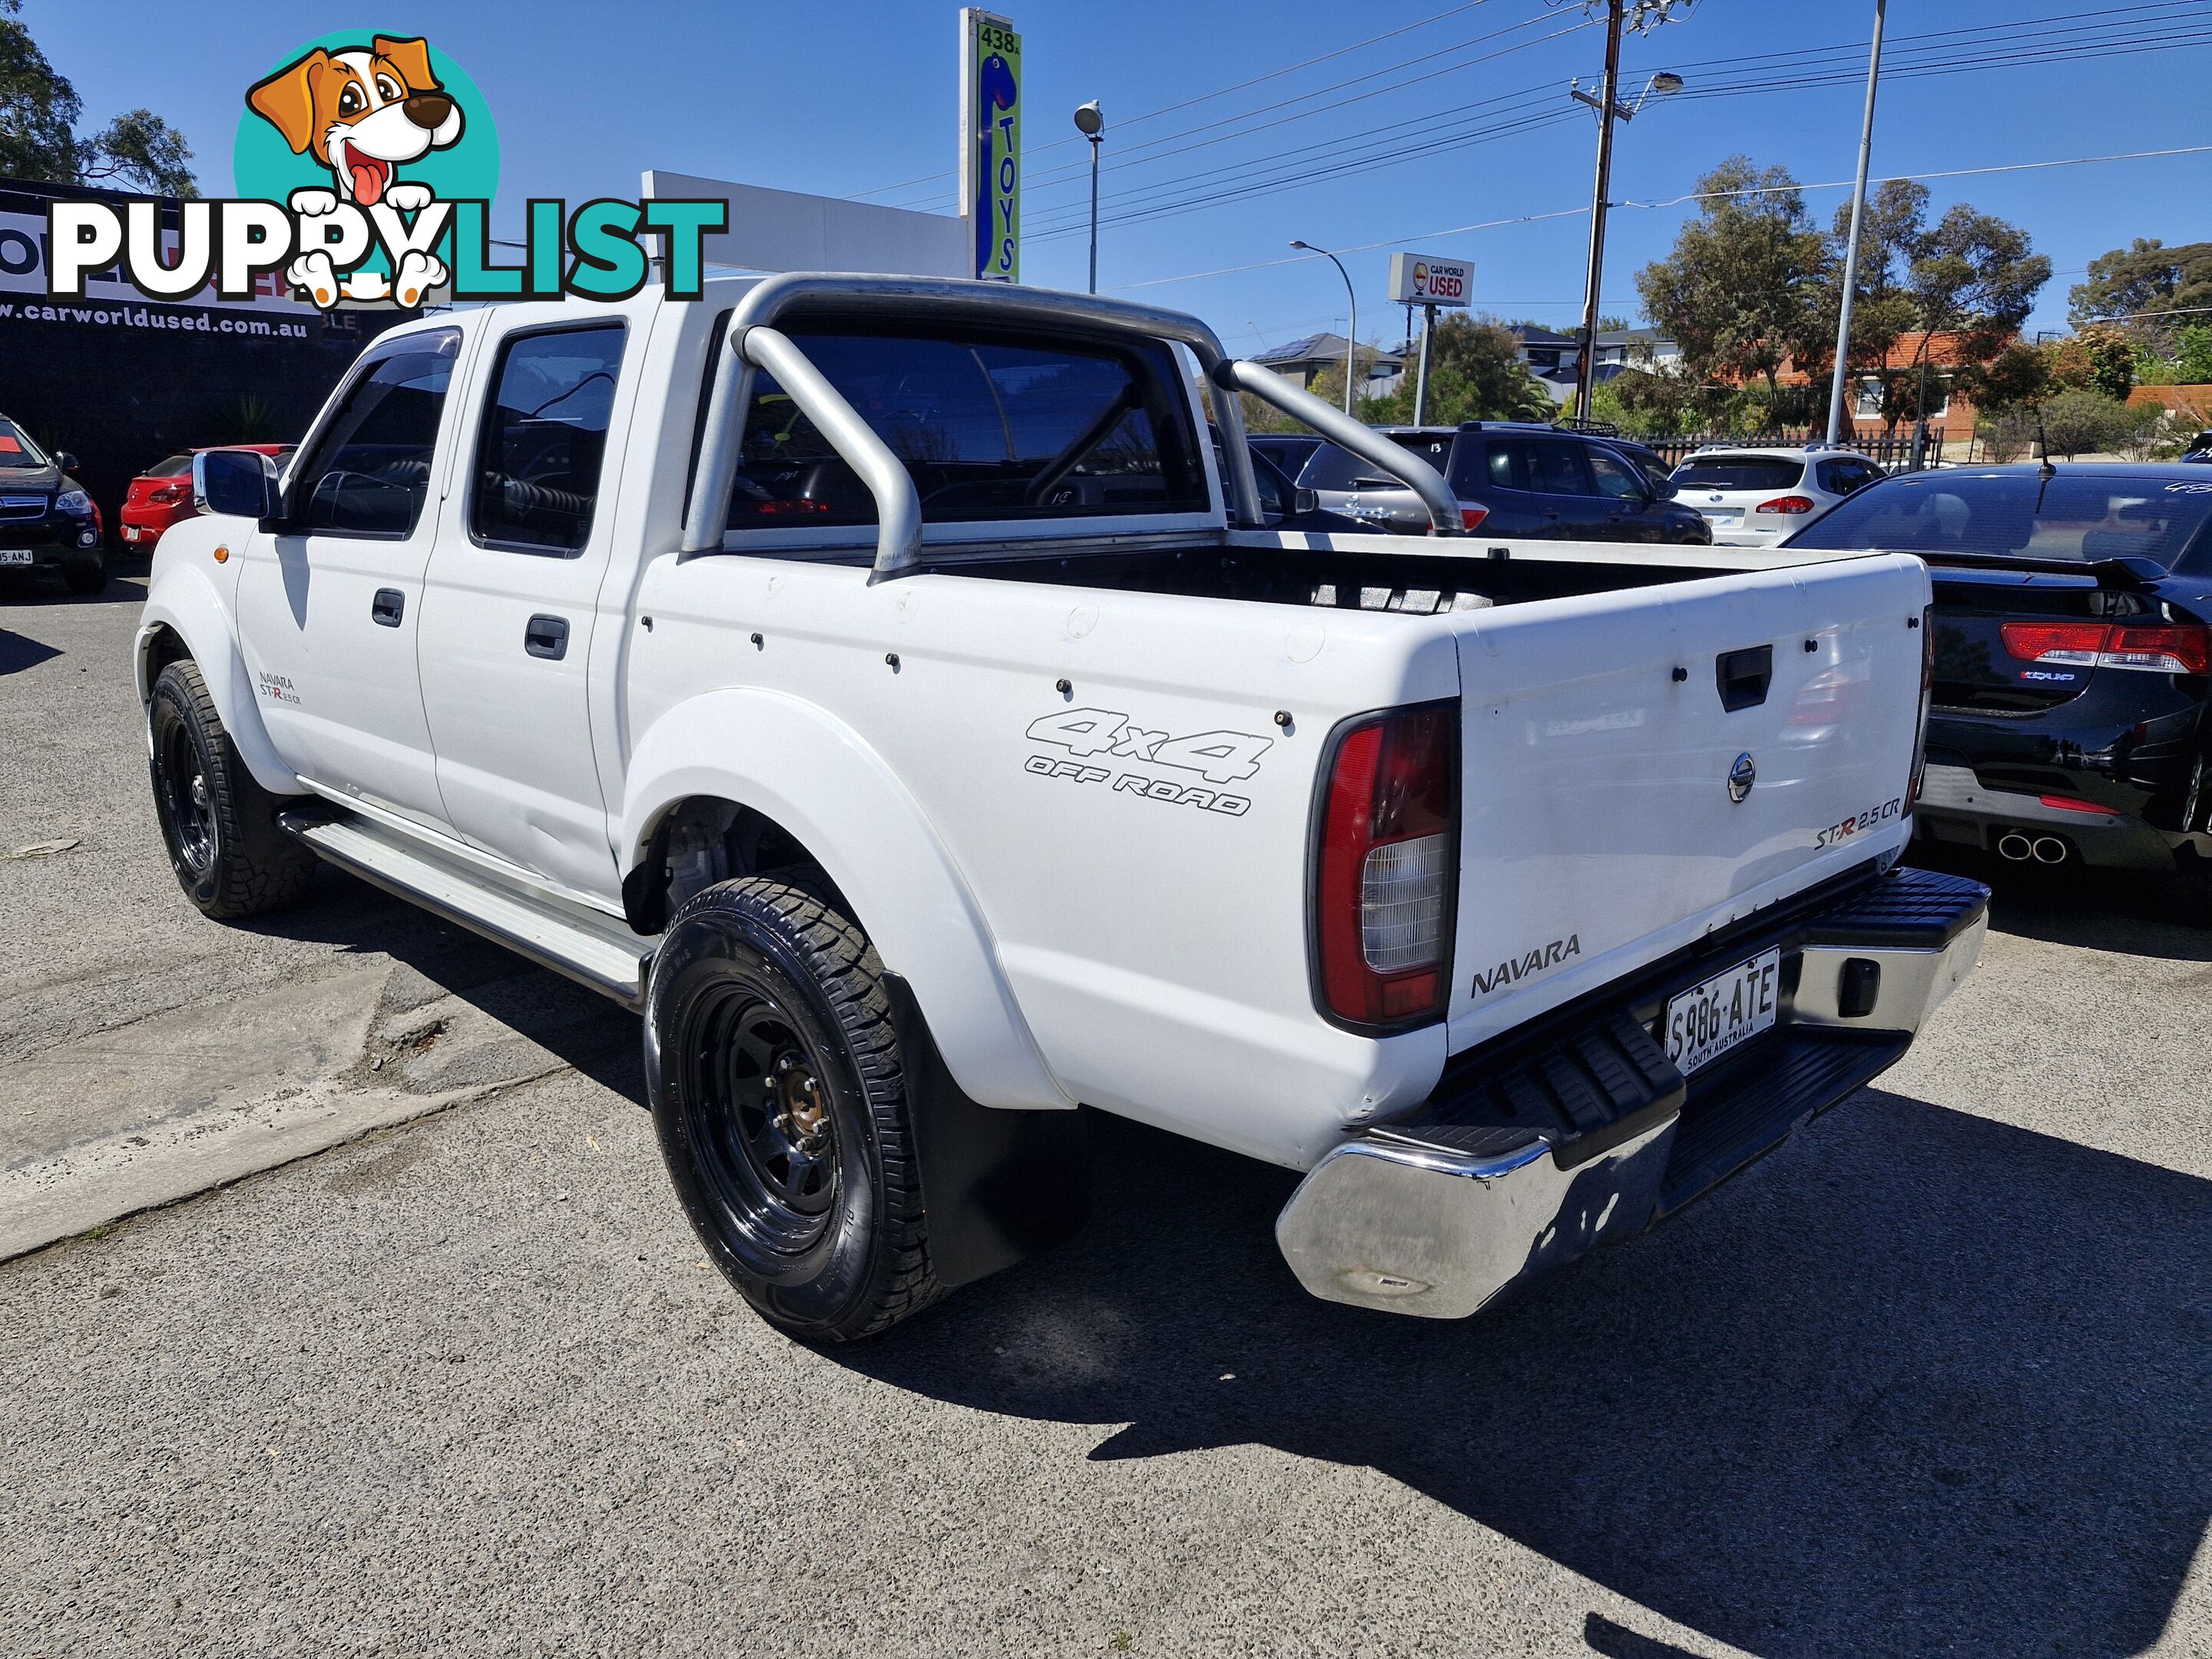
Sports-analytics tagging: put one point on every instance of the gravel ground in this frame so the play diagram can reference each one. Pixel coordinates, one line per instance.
(1933, 1379)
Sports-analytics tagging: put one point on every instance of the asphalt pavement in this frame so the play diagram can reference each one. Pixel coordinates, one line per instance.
(449, 1375)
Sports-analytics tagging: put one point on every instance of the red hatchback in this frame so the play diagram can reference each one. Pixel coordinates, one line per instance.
(161, 494)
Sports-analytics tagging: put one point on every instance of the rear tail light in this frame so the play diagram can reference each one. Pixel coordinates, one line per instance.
(1385, 868)
(167, 495)
(1471, 518)
(1786, 504)
(1927, 699)
(796, 505)
(2067, 803)
(2165, 648)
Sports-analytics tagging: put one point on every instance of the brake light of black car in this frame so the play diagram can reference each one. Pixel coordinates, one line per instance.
(1385, 866)
(1471, 518)
(2163, 649)
(1786, 504)
(798, 504)
(1926, 700)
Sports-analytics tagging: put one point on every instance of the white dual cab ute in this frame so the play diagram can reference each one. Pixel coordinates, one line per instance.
(874, 683)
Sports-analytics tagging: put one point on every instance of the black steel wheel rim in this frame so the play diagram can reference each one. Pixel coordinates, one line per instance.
(184, 794)
(759, 1100)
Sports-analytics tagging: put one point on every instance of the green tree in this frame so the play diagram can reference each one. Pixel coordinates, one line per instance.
(2145, 276)
(1475, 373)
(1738, 294)
(38, 137)
(1963, 285)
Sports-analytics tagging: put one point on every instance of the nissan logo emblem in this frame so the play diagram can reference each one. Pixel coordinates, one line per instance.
(1742, 776)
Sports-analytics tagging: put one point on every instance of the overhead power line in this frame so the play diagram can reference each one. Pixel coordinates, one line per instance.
(1674, 201)
(1220, 92)
(1169, 198)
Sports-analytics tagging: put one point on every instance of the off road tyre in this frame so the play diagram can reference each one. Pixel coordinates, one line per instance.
(86, 576)
(775, 1075)
(218, 824)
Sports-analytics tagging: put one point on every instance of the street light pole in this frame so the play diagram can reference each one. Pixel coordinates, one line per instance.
(1608, 95)
(1851, 249)
(1352, 338)
(1091, 122)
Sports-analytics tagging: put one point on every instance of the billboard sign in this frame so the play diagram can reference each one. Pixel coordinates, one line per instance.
(991, 143)
(1422, 279)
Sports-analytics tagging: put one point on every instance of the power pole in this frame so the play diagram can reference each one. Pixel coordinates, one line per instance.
(1421, 385)
(1851, 250)
(1608, 95)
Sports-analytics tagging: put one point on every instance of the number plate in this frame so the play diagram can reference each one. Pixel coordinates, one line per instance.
(17, 555)
(1710, 1020)
(1724, 520)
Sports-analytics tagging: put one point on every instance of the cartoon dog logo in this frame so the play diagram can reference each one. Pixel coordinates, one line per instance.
(362, 114)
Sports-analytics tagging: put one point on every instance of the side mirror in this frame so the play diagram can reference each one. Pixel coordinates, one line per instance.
(65, 460)
(1662, 489)
(237, 484)
(1305, 500)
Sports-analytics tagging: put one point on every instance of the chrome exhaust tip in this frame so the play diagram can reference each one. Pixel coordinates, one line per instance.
(2017, 847)
(2049, 849)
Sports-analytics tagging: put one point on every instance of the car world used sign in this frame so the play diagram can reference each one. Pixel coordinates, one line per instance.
(1422, 279)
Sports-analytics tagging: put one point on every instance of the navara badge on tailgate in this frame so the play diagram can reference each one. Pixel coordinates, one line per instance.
(1742, 776)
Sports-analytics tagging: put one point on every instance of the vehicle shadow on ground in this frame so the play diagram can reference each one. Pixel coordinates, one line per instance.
(577, 1026)
(2126, 911)
(1860, 1401)
(43, 591)
(18, 652)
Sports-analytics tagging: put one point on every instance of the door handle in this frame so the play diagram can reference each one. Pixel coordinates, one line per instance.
(387, 607)
(547, 636)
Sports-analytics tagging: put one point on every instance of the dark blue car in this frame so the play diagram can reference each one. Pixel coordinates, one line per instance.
(2069, 720)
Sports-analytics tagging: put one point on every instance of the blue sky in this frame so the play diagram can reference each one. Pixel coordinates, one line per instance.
(858, 97)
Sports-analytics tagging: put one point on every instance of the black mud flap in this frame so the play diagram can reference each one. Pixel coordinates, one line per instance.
(999, 1185)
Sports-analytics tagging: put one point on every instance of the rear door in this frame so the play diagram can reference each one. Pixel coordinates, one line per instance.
(508, 616)
(1612, 811)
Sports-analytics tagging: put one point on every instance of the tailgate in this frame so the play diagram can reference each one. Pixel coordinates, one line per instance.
(1608, 813)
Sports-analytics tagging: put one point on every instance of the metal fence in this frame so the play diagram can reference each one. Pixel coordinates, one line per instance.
(1894, 451)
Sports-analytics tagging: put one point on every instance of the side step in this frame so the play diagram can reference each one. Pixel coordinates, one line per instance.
(589, 946)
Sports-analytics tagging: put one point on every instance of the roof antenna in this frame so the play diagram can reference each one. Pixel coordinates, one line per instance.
(2045, 472)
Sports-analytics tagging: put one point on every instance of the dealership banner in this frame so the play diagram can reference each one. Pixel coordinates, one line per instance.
(991, 143)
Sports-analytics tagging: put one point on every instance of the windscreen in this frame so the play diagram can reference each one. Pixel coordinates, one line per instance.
(16, 449)
(2076, 515)
(991, 427)
(1740, 473)
(175, 467)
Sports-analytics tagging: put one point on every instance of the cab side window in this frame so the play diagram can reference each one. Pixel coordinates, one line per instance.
(1613, 479)
(543, 440)
(369, 473)
(1556, 469)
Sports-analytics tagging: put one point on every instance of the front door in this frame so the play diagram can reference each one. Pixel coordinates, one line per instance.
(513, 590)
(329, 605)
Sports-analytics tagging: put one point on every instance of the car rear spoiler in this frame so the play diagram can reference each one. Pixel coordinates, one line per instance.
(2126, 572)
(755, 343)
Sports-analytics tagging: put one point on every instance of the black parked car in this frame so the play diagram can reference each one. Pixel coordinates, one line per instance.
(1513, 479)
(2073, 659)
(46, 519)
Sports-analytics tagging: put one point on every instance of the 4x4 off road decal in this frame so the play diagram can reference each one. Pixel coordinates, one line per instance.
(1093, 734)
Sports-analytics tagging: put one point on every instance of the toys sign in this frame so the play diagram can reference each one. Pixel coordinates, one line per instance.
(1422, 279)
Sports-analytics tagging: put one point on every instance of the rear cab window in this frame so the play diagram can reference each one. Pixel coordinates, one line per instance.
(991, 426)
(1740, 473)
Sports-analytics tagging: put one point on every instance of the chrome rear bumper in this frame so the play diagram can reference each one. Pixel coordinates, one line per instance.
(1589, 1135)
